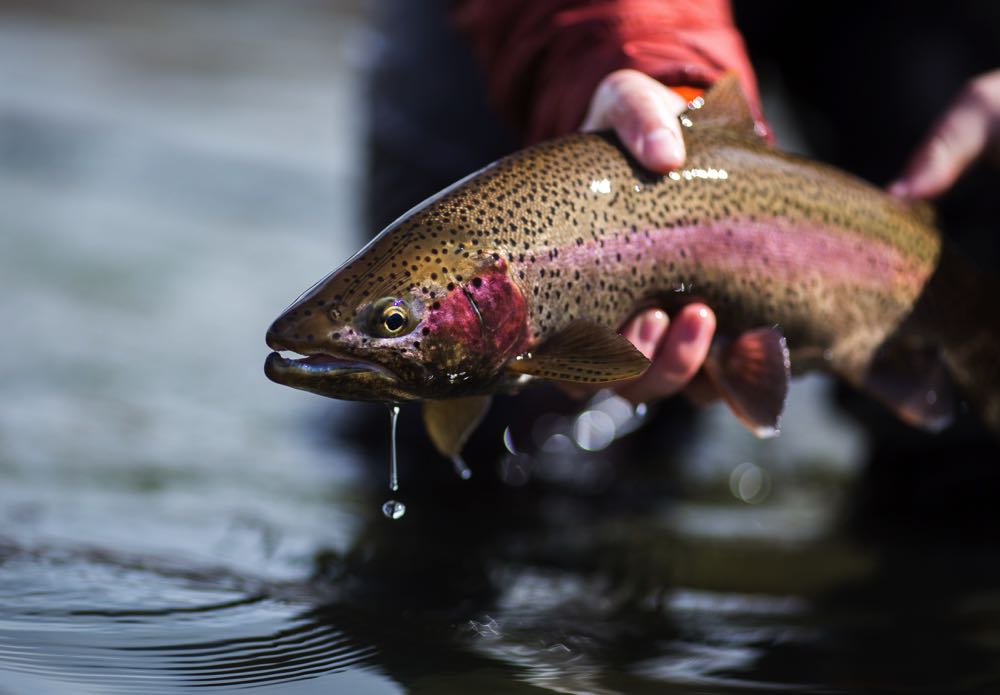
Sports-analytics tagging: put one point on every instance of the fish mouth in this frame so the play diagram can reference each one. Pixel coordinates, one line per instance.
(280, 368)
(278, 365)
(334, 376)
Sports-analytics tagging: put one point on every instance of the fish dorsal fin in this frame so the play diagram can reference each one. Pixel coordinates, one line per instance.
(582, 352)
(449, 423)
(914, 384)
(752, 374)
(724, 105)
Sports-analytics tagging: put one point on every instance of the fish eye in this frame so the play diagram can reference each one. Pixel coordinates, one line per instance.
(390, 318)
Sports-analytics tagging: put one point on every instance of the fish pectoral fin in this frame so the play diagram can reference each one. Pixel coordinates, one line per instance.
(914, 383)
(584, 352)
(752, 374)
(725, 105)
(449, 423)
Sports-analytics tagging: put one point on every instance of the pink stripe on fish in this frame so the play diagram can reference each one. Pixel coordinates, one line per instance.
(788, 250)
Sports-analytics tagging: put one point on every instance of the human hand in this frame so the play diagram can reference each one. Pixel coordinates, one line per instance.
(969, 129)
(643, 112)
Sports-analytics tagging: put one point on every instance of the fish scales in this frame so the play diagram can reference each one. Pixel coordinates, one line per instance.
(588, 234)
(459, 295)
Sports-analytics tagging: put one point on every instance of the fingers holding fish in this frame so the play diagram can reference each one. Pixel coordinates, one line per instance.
(643, 112)
(677, 349)
(647, 330)
(969, 129)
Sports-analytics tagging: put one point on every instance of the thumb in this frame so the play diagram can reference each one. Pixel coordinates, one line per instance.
(643, 112)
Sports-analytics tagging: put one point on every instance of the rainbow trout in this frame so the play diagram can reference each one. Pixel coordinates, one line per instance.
(526, 268)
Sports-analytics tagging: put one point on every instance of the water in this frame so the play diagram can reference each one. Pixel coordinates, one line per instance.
(393, 462)
(393, 509)
(462, 469)
(171, 174)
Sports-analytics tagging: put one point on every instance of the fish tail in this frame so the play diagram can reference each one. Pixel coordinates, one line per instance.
(971, 339)
(974, 365)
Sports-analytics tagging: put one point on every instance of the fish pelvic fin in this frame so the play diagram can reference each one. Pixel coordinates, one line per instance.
(451, 422)
(583, 352)
(752, 374)
(725, 106)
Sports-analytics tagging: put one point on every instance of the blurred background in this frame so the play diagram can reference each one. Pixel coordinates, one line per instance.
(173, 173)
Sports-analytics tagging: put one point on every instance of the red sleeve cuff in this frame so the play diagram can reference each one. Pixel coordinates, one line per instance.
(543, 60)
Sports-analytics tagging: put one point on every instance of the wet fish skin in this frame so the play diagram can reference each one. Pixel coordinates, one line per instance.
(574, 230)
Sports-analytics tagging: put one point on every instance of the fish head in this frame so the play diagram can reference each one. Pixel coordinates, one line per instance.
(420, 313)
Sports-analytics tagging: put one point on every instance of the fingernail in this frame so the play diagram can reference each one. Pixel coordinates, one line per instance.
(651, 326)
(691, 328)
(662, 147)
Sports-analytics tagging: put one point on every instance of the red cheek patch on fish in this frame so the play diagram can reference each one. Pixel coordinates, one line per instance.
(455, 319)
(502, 308)
(487, 314)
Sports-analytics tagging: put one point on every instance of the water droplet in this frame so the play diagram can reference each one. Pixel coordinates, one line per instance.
(461, 468)
(393, 509)
(393, 474)
(602, 186)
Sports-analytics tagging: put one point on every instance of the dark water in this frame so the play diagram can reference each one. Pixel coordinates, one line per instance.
(170, 175)
(538, 587)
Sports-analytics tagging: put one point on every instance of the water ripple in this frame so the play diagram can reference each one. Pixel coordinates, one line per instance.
(80, 617)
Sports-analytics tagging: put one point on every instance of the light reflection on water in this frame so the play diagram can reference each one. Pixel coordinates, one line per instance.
(171, 520)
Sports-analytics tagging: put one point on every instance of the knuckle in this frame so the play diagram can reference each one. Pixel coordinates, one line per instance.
(617, 82)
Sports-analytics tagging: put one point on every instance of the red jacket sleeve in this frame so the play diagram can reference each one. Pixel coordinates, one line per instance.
(544, 58)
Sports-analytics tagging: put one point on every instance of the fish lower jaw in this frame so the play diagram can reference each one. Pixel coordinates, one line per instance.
(288, 367)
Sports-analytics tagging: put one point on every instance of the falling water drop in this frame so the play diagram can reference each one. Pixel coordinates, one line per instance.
(393, 475)
(393, 509)
(461, 468)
